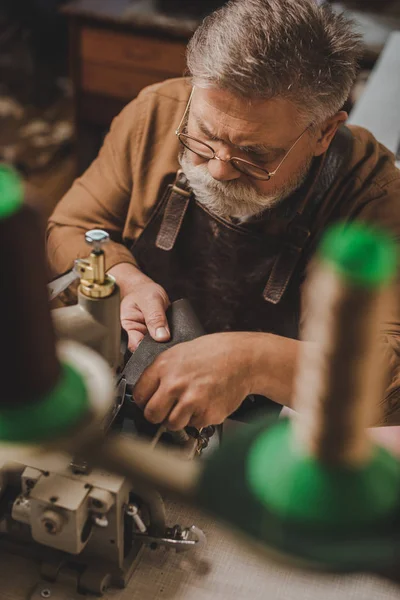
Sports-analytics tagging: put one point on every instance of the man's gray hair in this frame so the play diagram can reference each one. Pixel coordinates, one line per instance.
(293, 49)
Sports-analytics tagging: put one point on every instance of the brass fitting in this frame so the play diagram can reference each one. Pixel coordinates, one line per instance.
(95, 283)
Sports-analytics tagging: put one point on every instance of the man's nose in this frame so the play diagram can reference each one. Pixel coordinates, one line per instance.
(221, 169)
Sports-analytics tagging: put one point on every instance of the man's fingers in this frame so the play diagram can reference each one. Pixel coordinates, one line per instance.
(159, 406)
(156, 320)
(134, 339)
(132, 326)
(199, 421)
(131, 314)
(180, 416)
(146, 386)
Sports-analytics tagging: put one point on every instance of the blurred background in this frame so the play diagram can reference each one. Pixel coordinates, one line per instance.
(67, 68)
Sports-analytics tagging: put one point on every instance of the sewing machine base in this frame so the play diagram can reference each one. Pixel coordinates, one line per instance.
(59, 570)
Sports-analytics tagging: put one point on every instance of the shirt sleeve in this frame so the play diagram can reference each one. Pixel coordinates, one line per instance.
(98, 199)
(385, 213)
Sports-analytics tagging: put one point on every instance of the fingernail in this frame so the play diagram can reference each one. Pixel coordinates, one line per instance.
(161, 333)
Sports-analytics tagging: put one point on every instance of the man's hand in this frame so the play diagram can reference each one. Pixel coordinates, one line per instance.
(143, 305)
(200, 382)
(144, 310)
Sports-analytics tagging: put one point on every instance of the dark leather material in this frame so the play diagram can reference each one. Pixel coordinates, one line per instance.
(336, 157)
(184, 326)
(285, 263)
(221, 269)
(175, 209)
(300, 229)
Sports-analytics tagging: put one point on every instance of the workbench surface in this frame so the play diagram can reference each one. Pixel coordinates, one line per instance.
(234, 573)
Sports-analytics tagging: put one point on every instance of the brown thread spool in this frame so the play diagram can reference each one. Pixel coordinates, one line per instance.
(340, 379)
(29, 367)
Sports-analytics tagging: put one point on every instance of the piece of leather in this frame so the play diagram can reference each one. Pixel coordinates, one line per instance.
(184, 326)
(300, 230)
(285, 264)
(175, 210)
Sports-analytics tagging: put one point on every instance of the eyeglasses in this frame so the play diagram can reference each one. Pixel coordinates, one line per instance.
(244, 166)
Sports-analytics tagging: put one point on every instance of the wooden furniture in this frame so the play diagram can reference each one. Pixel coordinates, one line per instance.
(117, 47)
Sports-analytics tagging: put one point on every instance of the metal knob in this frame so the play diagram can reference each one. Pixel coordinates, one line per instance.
(53, 522)
(96, 238)
(95, 283)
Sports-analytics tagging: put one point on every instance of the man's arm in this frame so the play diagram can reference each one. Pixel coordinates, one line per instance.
(274, 366)
(203, 381)
(98, 199)
(101, 199)
(384, 212)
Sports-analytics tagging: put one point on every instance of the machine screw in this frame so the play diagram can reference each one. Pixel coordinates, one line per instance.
(133, 511)
(52, 522)
(97, 503)
(96, 238)
(45, 593)
(100, 521)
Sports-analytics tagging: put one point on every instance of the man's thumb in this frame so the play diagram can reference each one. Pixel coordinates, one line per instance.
(156, 321)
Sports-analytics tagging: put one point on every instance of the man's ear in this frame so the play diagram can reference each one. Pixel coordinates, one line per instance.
(326, 132)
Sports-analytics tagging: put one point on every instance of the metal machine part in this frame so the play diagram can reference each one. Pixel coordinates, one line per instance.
(61, 283)
(95, 283)
(94, 320)
(80, 519)
(94, 523)
(82, 516)
(69, 514)
(176, 538)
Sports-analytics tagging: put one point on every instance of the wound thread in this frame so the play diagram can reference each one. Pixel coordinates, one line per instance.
(29, 367)
(340, 379)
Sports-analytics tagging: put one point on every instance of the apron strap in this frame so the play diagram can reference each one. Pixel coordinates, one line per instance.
(300, 228)
(178, 196)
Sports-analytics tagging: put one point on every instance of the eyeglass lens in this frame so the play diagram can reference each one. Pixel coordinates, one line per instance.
(201, 149)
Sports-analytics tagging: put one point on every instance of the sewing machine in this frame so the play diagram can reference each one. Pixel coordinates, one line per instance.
(320, 506)
(63, 510)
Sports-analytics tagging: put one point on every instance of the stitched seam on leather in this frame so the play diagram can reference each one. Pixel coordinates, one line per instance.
(153, 216)
(164, 241)
(282, 288)
(169, 230)
(333, 161)
(182, 216)
(230, 226)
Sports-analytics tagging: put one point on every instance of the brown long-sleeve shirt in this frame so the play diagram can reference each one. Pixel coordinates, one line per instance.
(123, 185)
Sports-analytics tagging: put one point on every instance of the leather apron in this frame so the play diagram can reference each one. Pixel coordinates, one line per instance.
(244, 277)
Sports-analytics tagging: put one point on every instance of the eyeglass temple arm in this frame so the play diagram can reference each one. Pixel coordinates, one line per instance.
(185, 113)
(289, 151)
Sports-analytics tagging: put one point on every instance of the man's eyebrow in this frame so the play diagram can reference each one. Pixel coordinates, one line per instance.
(258, 148)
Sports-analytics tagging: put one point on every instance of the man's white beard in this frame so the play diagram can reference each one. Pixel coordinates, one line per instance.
(234, 198)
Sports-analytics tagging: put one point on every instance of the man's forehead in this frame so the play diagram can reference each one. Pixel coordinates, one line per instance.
(252, 118)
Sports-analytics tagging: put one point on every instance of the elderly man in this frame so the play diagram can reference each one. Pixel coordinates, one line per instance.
(218, 188)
